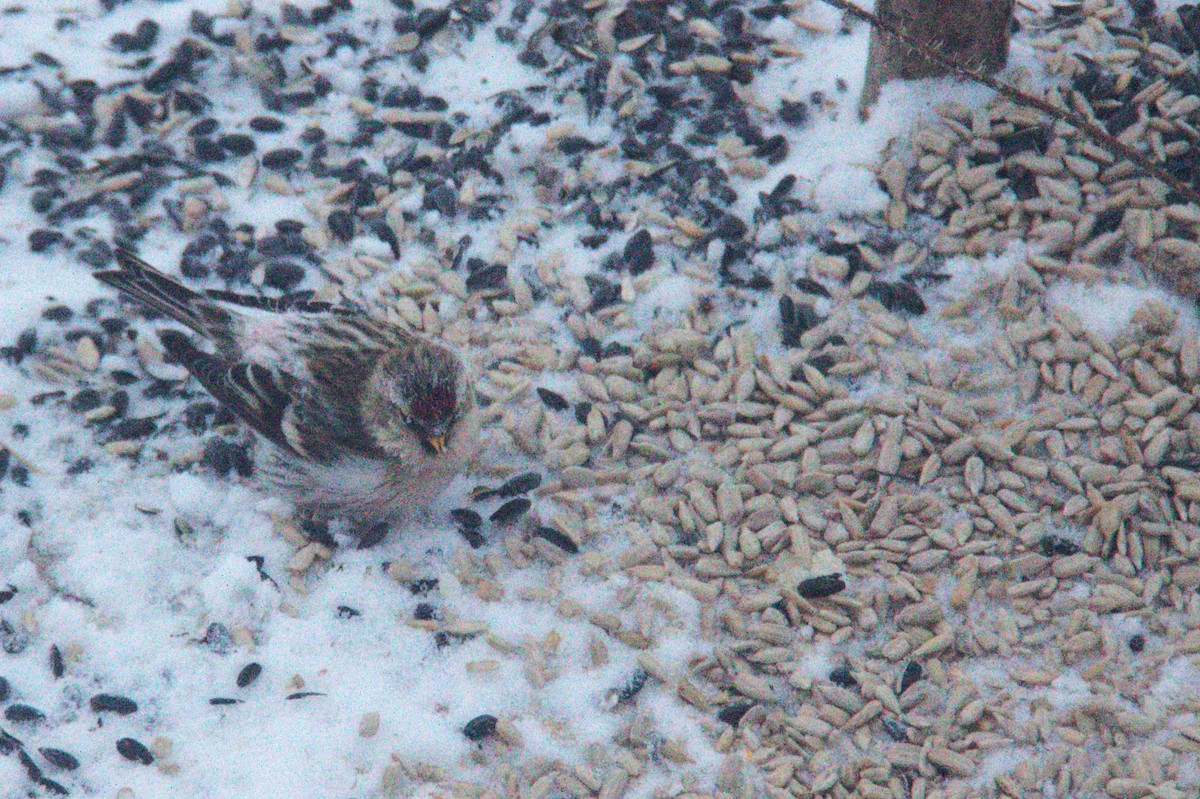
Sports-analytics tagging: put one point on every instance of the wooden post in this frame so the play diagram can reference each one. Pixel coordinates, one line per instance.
(973, 32)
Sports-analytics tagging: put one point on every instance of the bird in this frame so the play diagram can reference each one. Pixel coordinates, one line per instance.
(362, 420)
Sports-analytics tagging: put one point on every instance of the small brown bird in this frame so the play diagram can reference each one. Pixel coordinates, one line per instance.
(364, 420)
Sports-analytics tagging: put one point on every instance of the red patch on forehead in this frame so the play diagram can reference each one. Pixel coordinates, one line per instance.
(435, 405)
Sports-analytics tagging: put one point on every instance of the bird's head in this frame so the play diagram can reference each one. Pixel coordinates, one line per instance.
(427, 391)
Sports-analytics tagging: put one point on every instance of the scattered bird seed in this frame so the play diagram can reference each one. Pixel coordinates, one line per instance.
(510, 511)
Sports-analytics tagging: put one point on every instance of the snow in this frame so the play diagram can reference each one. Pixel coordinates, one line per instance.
(1107, 309)
(104, 575)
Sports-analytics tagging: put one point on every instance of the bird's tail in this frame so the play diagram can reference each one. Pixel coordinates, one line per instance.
(152, 288)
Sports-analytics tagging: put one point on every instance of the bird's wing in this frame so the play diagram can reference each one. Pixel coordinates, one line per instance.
(317, 419)
(143, 282)
(253, 392)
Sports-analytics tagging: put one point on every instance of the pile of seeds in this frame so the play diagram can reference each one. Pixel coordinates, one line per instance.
(928, 528)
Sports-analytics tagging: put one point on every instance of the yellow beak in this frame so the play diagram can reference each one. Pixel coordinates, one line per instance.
(436, 443)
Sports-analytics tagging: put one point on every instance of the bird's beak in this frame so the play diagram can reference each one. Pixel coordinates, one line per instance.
(436, 443)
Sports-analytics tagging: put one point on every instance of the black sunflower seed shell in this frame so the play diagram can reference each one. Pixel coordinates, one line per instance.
(823, 586)
(559, 540)
(19, 713)
(248, 674)
(552, 399)
(521, 484)
(59, 759)
(134, 751)
(466, 519)
(510, 511)
(732, 714)
(111, 703)
(480, 727)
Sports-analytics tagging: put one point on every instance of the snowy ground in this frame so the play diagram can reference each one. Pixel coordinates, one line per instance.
(156, 579)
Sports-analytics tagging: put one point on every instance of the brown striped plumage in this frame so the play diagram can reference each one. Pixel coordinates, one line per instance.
(364, 420)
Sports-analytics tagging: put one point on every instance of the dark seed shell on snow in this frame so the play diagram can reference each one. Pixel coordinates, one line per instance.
(266, 124)
(521, 484)
(135, 751)
(224, 700)
(510, 511)
(473, 537)
(627, 692)
(248, 674)
(56, 661)
(638, 255)
(559, 540)
(423, 586)
(466, 519)
(795, 319)
(480, 727)
(488, 278)
(53, 787)
(32, 770)
(59, 759)
(898, 296)
(9, 744)
(553, 400)
(111, 703)
(19, 713)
